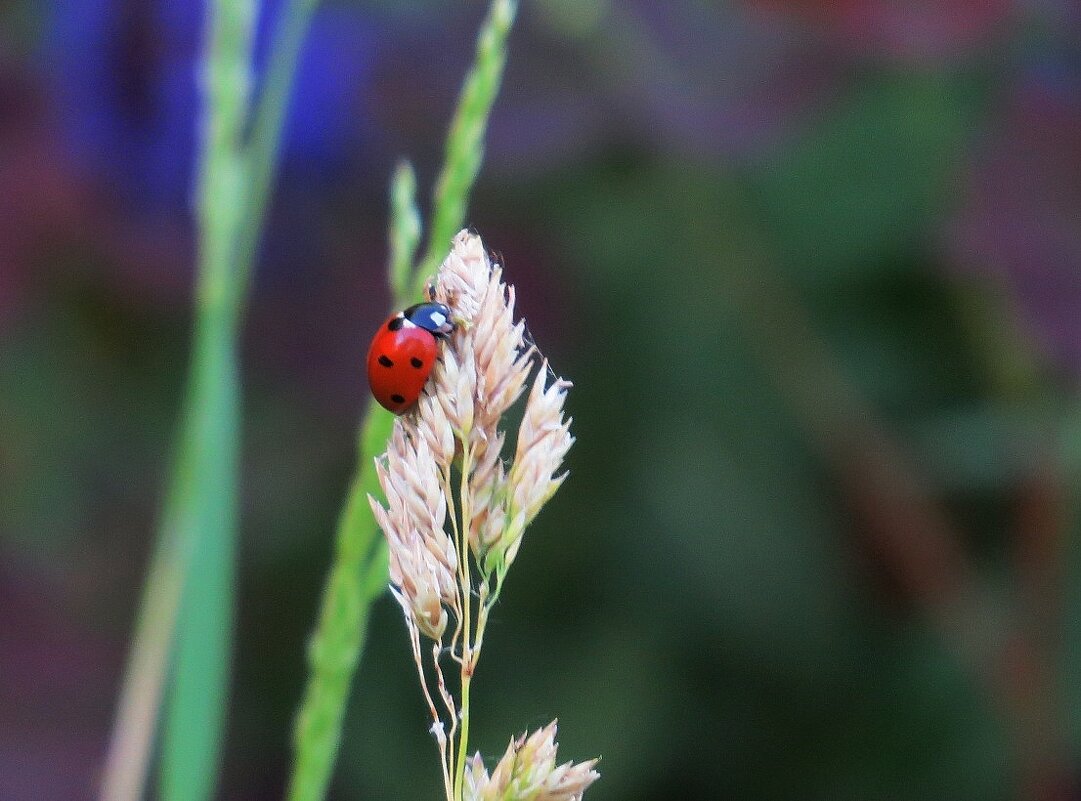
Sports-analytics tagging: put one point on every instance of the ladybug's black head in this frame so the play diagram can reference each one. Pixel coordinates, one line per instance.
(432, 317)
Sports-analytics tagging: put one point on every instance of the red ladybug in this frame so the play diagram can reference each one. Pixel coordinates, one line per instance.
(403, 352)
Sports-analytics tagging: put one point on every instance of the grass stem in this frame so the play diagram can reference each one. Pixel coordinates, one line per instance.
(359, 569)
(186, 611)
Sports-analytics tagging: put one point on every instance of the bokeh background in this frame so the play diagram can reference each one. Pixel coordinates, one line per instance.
(815, 270)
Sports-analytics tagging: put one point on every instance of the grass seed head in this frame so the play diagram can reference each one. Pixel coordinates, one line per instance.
(527, 771)
(445, 459)
(423, 560)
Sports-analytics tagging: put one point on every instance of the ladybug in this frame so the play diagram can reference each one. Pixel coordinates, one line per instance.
(403, 352)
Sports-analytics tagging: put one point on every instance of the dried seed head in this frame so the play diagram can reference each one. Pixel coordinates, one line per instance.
(415, 580)
(423, 561)
(503, 361)
(435, 428)
(482, 371)
(476, 780)
(528, 770)
(464, 275)
(543, 441)
(487, 488)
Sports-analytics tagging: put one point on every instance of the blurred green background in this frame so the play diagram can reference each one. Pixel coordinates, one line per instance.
(815, 270)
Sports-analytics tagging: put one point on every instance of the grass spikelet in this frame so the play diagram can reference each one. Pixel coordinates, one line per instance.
(359, 570)
(448, 451)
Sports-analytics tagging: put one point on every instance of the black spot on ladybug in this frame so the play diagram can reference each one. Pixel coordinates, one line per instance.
(397, 398)
(417, 363)
(395, 323)
(383, 360)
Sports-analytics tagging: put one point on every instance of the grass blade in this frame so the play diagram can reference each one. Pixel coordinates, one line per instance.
(203, 513)
(124, 774)
(264, 143)
(335, 647)
(358, 574)
(189, 590)
(404, 230)
(203, 507)
(464, 150)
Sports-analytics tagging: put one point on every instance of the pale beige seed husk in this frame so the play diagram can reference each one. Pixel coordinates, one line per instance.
(481, 372)
(463, 276)
(487, 484)
(503, 361)
(423, 560)
(484, 371)
(528, 770)
(543, 441)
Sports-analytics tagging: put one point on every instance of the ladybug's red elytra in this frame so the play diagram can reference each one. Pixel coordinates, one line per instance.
(403, 352)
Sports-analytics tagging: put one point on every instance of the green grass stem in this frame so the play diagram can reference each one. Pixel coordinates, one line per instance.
(206, 505)
(464, 151)
(358, 574)
(404, 230)
(186, 611)
(267, 123)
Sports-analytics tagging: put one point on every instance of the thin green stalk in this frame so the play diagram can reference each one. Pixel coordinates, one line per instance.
(264, 140)
(464, 150)
(405, 228)
(187, 598)
(358, 573)
(468, 654)
(359, 568)
(200, 498)
(195, 712)
(463, 739)
(124, 774)
(204, 518)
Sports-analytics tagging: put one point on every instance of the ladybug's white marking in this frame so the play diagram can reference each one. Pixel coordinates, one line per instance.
(438, 319)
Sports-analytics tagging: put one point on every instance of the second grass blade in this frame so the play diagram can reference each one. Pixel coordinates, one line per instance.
(359, 570)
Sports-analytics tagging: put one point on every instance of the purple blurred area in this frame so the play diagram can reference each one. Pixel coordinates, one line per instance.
(611, 117)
